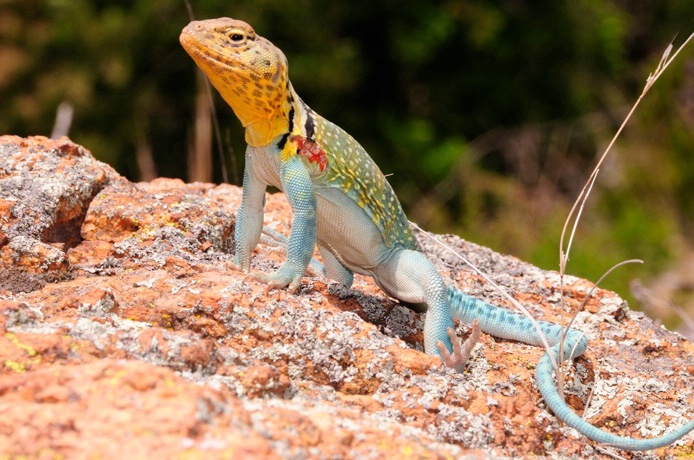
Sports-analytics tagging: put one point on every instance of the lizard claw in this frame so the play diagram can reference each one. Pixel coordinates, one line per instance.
(461, 353)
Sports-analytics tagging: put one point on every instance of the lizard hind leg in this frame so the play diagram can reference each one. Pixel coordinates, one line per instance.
(410, 277)
(334, 268)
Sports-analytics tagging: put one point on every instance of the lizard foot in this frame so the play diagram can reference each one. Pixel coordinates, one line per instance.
(276, 281)
(461, 353)
(235, 267)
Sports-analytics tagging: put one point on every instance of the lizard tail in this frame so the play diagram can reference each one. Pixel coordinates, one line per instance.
(545, 382)
(505, 324)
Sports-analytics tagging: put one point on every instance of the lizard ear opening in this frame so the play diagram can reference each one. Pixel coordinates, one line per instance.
(277, 74)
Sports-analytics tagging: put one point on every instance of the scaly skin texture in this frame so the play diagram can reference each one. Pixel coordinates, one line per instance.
(343, 203)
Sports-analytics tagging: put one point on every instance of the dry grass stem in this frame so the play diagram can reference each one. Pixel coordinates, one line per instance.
(578, 206)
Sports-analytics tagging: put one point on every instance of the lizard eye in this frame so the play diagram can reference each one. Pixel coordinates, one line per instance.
(236, 37)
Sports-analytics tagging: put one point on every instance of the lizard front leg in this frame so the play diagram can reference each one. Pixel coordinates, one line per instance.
(249, 219)
(298, 187)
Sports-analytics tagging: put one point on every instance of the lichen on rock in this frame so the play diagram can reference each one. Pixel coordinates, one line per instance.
(125, 333)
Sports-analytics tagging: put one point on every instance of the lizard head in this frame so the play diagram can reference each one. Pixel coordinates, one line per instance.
(249, 72)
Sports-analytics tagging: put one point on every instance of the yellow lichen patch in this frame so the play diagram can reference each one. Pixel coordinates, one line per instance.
(28, 349)
(685, 452)
(117, 377)
(15, 366)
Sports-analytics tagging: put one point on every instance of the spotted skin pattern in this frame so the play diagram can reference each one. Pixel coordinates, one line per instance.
(344, 204)
(353, 171)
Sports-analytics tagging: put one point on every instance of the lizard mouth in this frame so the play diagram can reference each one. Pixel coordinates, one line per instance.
(207, 57)
(188, 37)
(190, 44)
(187, 41)
(193, 46)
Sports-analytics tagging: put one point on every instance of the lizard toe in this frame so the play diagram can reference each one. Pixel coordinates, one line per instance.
(461, 353)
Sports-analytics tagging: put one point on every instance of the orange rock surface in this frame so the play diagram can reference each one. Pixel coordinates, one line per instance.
(124, 333)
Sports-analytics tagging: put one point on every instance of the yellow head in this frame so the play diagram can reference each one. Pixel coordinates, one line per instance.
(249, 72)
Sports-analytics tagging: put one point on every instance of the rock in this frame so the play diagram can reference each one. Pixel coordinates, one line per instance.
(125, 333)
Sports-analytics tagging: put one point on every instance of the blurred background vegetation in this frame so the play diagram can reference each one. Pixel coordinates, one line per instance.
(489, 115)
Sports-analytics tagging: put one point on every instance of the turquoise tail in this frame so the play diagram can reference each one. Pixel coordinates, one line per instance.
(505, 324)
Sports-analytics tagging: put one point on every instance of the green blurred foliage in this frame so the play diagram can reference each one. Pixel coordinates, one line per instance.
(487, 115)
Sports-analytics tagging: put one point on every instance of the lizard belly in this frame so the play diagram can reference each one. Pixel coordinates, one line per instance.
(348, 232)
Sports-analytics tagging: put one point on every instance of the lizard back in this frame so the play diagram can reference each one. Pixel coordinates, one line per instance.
(353, 171)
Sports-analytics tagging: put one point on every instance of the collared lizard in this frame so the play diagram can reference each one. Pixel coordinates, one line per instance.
(343, 203)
